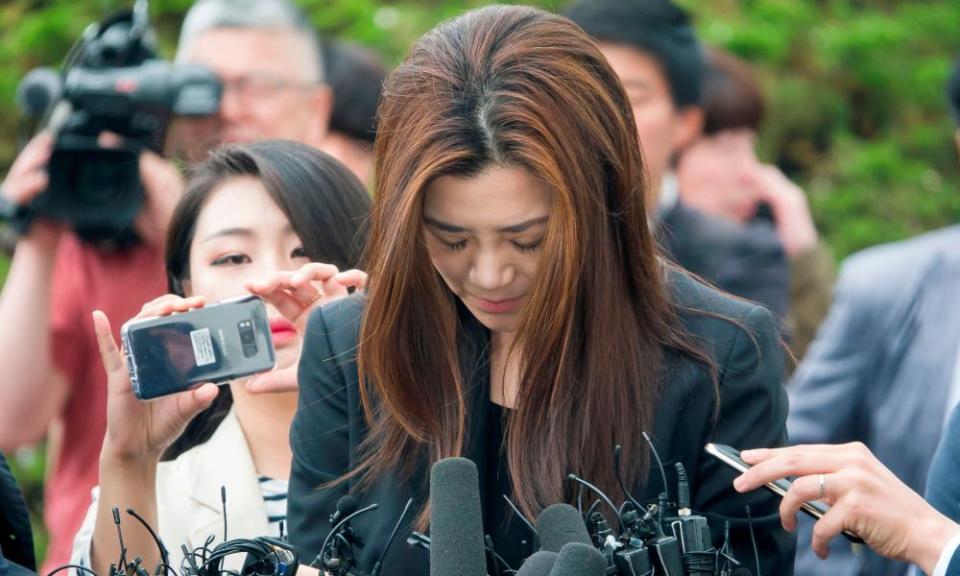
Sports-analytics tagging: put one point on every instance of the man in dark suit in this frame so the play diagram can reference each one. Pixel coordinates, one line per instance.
(16, 541)
(653, 48)
(883, 368)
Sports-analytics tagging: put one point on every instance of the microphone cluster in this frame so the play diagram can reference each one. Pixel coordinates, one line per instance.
(665, 538)
(662, 539)
(262, 556)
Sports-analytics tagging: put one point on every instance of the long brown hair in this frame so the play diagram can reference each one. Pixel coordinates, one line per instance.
(517, 86)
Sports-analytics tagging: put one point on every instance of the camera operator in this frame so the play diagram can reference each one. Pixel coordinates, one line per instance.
(269, 63)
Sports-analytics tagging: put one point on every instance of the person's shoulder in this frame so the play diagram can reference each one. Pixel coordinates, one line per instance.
(894, 258)
(698, 303)
(721, 323)
(338, 321)
(723, 231)
(889, 269)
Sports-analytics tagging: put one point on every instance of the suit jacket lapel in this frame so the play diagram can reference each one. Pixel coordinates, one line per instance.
(937, 337)
(225, 461)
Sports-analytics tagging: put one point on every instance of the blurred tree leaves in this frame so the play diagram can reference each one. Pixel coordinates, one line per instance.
(855, 88)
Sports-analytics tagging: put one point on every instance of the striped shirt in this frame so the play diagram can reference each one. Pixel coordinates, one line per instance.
(275, 498)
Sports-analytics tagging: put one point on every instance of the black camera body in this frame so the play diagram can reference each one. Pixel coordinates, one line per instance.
(113, 82)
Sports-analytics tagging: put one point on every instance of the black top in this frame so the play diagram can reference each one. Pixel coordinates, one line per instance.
(329, 427)
(16, 541)
(512, 540)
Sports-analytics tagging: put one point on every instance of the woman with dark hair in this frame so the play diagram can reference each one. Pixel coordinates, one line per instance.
(518, 313)
(254, 219)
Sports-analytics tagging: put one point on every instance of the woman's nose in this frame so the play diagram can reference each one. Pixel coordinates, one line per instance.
(491, 271)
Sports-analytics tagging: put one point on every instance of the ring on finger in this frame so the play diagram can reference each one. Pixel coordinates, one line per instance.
(823, 486)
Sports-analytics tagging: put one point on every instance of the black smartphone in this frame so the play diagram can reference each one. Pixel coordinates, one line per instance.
(216, 343)
(815, 508)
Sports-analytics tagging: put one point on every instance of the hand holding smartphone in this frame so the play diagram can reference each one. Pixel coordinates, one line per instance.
(814, 508)
(216, 343)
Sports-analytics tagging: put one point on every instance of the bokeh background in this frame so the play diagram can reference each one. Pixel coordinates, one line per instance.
(855, 91)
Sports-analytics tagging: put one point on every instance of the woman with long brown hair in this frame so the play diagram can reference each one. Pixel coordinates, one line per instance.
(517, 312)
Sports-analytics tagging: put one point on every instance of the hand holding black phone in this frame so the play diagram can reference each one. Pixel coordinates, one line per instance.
(216, 343)
(814, 508)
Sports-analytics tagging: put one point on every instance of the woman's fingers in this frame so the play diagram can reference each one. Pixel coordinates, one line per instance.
(314, 272)
(270, 283)
(288, 306)
(192, 402)
(170, 304)
(315, 283)
(354, 278)
(794, 461)
(278, 289)
(806, 489)
(827, 528)
(306, 293)
(283, 380)
(109, 353)
(759, 454)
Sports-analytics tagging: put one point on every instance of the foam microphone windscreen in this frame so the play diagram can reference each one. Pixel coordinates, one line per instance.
(40, 88)
(456, 524)
(561, 524)
(346, 505)
(576, 559)
(539, 564)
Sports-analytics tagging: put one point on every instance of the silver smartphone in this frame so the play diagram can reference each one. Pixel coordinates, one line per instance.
(216, 343)
(731, 457)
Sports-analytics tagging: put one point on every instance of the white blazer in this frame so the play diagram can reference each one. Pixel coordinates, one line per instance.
(189, 508)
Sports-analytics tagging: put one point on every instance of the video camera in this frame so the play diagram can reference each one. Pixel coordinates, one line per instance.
(112, 81)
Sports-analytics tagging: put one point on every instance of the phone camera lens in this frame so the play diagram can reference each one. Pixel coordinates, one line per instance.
(248, 340)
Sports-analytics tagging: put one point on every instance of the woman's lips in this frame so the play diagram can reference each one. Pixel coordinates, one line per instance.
(282, 331)
(498, 306)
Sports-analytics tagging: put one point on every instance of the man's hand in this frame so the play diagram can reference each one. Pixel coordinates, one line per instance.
(865, 498)
(791, 212)
(26, 180)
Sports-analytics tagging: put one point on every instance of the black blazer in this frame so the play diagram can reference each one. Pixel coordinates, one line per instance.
(16, 540)
(329, 426)
(744, 259)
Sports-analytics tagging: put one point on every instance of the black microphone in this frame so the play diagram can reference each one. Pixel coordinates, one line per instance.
(539, 564)
(38, 90)
(561, 524)
(456, 523)
(576, 559)
(346, 506)
(393, 534)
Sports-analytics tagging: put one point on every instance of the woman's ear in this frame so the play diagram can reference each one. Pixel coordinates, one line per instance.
(689, 127)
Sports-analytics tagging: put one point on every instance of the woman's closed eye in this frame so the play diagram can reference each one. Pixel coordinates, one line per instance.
(233, 259)
(527, 246)
(454, 246)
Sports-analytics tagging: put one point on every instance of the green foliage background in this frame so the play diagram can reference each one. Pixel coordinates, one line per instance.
(857, 112)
